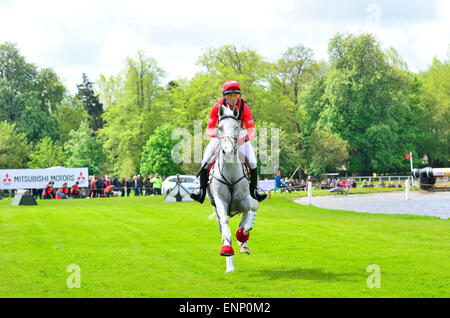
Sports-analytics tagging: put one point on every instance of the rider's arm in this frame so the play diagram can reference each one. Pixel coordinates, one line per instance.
(212, 122)
(249, 124)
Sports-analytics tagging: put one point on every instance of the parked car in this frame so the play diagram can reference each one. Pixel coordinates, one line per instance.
(188, 182)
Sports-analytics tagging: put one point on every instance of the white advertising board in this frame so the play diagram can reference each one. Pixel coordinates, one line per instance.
(39, 178)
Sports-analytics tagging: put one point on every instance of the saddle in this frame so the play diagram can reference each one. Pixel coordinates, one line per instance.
(212, 165)
(244, 160)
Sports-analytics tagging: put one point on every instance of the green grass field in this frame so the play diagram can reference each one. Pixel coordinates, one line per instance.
(144, 247)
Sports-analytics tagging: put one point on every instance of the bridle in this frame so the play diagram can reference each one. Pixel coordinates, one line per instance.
(224, 180)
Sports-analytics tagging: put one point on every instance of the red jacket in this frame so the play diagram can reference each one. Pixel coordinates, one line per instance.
(74, 189)
(247, 119)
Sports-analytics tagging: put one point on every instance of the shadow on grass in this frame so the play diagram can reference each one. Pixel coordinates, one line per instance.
(316, 274)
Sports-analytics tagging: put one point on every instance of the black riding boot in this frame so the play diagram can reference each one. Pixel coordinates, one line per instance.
(253, 183)
(200, 196)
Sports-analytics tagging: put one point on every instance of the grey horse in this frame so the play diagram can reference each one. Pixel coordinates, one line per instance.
(228, 189)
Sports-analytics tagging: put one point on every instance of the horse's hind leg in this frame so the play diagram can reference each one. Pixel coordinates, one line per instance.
(241, 239)
(243, 233)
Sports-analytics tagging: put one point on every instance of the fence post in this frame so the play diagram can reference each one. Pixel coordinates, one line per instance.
(309, 192)
(407, 189)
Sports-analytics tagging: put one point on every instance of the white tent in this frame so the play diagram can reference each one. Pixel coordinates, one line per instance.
(178, 194)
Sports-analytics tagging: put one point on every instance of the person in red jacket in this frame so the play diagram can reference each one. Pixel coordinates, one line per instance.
(231, 91)
(108, 191)
(60, 194)
(47, 193)
(65, 189)
(74, 190)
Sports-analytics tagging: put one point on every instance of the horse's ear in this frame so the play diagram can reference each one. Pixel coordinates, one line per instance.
(220, 110)
(235, 112)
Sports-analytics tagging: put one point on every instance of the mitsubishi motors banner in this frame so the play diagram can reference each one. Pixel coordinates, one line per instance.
(39, 178)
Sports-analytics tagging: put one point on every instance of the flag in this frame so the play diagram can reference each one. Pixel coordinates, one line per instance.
(408, 156)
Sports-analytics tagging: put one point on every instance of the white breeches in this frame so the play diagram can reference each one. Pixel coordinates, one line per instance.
(246, 149)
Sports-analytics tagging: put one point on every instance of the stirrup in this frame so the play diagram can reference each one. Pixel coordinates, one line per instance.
(259, 197)
(200, 197)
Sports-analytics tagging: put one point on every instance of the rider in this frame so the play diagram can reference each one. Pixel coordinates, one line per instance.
(231, 92)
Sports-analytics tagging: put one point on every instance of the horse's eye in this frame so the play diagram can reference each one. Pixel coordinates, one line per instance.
(220, 128)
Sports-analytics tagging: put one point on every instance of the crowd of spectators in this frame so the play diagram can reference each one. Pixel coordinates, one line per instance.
(290, 184)
(104, 186)
(101, 186)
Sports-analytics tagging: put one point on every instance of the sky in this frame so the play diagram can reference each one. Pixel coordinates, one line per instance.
(96, 36)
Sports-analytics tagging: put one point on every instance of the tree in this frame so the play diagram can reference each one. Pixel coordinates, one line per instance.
(295, 69)
(28, 96)
(14, 148)
(434, 116)
(91, 103)
(50, 88)
(70, 114)
(84, 150)
(33, 121)
(326, 150)
(133, 110)
(47, 154)
(157, 153)
(20, 74)
(366, 96)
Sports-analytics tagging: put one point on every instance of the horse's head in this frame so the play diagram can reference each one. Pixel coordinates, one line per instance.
(228, 130)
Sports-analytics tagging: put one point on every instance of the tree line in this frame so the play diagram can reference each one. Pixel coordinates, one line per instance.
(361, 111)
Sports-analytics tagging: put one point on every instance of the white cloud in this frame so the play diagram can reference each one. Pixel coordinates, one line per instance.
(96, 36)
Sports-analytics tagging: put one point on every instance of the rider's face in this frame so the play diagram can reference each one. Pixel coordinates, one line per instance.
(232, 99)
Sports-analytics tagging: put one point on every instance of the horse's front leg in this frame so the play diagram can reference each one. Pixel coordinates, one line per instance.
(223, 222)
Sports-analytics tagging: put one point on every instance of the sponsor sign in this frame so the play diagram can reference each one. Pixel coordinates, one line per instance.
(266, 184)
(39, 178)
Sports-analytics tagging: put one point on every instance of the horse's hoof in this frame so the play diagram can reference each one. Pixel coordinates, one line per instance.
(245, 250)
(227, 250)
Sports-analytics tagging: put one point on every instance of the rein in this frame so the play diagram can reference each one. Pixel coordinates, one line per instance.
(224, 180)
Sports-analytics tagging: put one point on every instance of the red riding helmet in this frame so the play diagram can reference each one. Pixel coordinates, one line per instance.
(231, 87)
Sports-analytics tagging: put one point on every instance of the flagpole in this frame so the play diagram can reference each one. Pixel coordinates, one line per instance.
(410, 158)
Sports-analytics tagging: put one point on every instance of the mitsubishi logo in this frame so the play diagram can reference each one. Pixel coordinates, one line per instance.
(7, 180)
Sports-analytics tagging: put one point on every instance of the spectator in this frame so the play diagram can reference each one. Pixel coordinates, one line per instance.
(115, 182)
(382, 184)
(156, 184)
(93, 187)
(129, 184)
(123, 187)
(307, 181)
(65, 189)
(399, 185)
(137, 185)
(100, 185)
(364, 184)
(277, 179)
(370, 184)
(354, 183)
(107, 182)
(75, 191)
(148, 186)
(108, 191)
(47, 193)
(60, 194)
(391, 184)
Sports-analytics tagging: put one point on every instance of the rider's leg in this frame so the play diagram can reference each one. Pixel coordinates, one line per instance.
(200, 195)
(247, 149)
